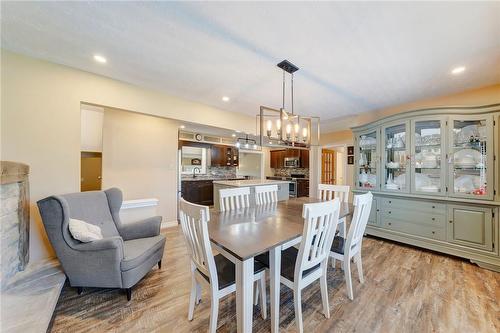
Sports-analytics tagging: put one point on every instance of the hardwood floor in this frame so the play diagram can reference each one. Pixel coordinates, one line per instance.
(406, 289)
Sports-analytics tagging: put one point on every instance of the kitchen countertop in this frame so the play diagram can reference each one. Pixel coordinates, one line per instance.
(250, 182)
(211, 178)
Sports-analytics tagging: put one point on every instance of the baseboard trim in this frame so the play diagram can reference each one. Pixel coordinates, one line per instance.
(169, 224)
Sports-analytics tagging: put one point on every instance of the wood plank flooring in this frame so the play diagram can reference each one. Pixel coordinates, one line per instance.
(406, 289)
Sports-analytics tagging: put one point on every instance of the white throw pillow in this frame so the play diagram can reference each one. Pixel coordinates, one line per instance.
(83, 231)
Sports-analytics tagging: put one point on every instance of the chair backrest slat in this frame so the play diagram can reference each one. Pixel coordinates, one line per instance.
(234, 198)
(266, 194)
(194, 223)
(320, 223)
(362, 208)
(329, 192)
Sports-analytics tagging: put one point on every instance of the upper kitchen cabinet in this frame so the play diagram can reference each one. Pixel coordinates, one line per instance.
(277, 158)
(471, 156)
(367, 160)
(428, 156)
(224, 156)
(304, 158)
(395, 157)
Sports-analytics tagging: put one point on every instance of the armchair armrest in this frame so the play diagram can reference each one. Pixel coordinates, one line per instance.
(110, 243)
(149, 227)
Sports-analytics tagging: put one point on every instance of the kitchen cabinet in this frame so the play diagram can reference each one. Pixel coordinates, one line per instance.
(277, 158)
(224, 156)
(198, 191)
(302, 188)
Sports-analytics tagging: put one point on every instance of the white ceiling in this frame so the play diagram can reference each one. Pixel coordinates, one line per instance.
(353, 57)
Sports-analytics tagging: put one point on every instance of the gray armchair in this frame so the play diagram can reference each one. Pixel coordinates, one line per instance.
(126, 253)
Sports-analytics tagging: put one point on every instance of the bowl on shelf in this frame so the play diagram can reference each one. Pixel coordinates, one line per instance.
(466, 157)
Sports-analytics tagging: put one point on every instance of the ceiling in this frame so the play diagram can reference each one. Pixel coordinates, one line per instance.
(353, 57)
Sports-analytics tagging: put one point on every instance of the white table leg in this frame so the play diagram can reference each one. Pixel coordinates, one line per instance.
(275, 271)
(244, 295)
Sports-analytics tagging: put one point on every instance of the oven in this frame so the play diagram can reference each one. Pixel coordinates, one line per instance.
(292, 188)
(292, 162)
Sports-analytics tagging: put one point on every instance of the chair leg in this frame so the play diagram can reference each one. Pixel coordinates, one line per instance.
(192, 298)
(79, 290)
(129, 294)
(159, 264)
(324, 295)
(263, 297)
(348, 281)
(359, 264)
(198, 293)
(297, 302)
(214, 311)
(256, 293)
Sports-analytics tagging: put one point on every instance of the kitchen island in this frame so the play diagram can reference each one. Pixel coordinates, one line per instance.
(283, 193)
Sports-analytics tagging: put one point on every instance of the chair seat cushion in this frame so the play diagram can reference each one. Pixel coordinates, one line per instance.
(136, 251)
(288, 260)
(338, 245)
(226, 271)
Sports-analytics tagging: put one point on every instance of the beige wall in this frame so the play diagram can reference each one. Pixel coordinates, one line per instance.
(40, 123)
(481, 96)
(140, 157)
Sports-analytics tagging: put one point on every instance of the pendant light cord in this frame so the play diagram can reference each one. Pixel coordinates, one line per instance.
(292, 95)
(283, 90)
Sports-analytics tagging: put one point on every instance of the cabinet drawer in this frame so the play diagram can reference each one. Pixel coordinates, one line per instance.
(414, 229)
(413, 205)
(422, 218)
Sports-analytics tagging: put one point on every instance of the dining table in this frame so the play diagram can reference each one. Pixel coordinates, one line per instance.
(244, 233)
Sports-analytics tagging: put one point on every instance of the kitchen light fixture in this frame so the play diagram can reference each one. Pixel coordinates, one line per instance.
(246, 142)
(285, 126)
(458, 70)
(182, 127)
(225, 99)
(233, 135)
(100, 58)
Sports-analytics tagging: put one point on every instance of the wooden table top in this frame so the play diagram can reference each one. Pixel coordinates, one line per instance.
(247, 232)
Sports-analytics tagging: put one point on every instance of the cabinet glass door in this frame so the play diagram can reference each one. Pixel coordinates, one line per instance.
(367, 158)
(395, 153)
(471, 157)
(428, 162)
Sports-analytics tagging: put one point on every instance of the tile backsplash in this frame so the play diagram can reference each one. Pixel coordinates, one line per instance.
(216, 172)
(287, 172)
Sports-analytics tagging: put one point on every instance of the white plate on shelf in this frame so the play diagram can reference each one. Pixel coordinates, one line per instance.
(430, 188)
(467, 156)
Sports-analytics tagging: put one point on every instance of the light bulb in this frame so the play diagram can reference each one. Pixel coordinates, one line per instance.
(304, 133)
(238, 145)
(269, 127)
(246, 145)
(278, 124)
(288, 128)
(254, 146)
(296, 128)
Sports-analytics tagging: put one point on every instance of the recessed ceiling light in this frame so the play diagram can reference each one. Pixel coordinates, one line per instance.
(182, 127)
(100, 58)
(458, 70)
(225, 99)
(233, 135)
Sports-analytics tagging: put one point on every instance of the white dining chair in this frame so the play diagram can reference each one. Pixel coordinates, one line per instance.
(303, 266)
(217, 273)
(234, 198)
(350, 247)
(266, 194)
(329, 192)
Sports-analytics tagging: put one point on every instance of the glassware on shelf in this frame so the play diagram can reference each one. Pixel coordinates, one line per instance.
(427, 171)
(395, 156)
(470, 157)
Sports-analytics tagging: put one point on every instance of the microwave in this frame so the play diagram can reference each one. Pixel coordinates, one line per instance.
(292, 162)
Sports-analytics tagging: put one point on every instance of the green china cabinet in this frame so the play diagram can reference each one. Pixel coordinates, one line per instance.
(435, 177)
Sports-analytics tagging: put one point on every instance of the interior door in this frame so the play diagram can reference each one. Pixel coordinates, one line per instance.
(91, 171)
(328, 166)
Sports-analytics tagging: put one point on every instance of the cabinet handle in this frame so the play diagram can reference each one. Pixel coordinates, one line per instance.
(390, 201)
(434, 219)
(389, 223)
(389, 212)
(433, 232)
(433, 206)
(450, 221)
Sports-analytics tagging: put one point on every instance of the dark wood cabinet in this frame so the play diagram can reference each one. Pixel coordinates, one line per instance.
(198, 191)
(304, 158)
(277, 157)
(224, 156)
(302, 188)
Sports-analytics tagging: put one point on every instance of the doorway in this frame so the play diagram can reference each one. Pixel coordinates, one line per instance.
(91, 171)
(328, 166)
